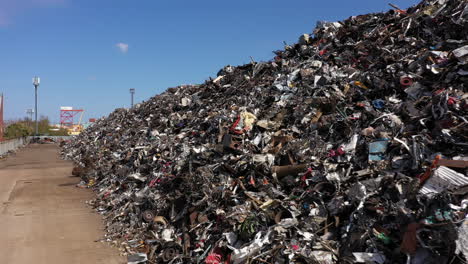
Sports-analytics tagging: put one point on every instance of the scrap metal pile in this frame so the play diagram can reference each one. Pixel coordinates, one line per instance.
(348, 147)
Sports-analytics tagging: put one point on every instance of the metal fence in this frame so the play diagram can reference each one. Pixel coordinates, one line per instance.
(54, 138)
(13, 144)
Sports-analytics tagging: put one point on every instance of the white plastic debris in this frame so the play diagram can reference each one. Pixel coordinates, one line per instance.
(264, 158)
(167, 234)
(371, 258)
(460, 52)
(240, 255)
(186, 101)
(323, 257)
(351, 146)
(231, 238)
(462, 241)
(443, 179)
(138, 258)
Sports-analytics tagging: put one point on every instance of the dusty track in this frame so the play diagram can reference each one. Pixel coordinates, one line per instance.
(43, 218)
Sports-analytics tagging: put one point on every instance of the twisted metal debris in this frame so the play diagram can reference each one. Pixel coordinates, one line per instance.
(348, 147)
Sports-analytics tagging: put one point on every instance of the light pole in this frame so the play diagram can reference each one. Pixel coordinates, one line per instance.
(132, 92)
(36, 81)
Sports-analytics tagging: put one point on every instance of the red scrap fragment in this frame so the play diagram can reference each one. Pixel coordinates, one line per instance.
(451, 101)
(216, 257)
(409, 244)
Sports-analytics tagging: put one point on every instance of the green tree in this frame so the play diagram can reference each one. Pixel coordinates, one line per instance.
(26, 127)
(17, 130)
(60, 132)
(43, 125)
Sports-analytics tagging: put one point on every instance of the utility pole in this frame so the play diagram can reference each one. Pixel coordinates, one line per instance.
(132, 92)
(36, 81)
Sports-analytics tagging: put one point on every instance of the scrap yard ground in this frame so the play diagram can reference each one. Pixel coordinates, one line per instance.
(43, 217)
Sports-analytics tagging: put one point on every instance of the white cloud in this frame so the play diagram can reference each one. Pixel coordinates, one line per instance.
(123, 47)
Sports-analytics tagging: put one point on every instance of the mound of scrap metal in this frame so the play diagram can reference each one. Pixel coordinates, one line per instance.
(348, 147)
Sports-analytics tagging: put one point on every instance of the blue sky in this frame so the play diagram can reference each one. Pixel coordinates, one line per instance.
(88, 53)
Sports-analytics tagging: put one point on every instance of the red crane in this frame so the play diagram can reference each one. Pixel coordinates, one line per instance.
(67, 115)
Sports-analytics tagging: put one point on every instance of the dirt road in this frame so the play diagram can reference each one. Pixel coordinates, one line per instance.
(43, 217)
